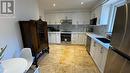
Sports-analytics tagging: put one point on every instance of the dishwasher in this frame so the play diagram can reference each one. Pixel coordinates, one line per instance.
(88, 44)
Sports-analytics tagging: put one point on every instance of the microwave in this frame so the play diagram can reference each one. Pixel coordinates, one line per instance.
(93, 21)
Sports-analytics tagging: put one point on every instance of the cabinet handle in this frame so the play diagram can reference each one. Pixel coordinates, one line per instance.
(101, 50)
(94, 44)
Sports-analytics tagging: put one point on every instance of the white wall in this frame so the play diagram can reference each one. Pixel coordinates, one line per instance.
(9, 28)
(27, 9)
(41, 9)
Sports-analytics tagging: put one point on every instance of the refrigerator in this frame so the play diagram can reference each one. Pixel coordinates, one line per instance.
(118, 59)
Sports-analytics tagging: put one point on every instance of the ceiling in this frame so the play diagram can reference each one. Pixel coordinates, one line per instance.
(67, 4)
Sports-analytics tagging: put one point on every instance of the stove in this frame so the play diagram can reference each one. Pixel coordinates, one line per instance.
(66, 37)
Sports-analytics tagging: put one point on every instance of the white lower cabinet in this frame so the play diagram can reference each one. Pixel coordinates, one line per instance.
(78, 38)
(74, 38)
(92, 49)
(54, 38)
(99, 55)
(104, 58)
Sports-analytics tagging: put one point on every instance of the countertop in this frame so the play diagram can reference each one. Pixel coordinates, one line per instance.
(66, 32)
(95, 36)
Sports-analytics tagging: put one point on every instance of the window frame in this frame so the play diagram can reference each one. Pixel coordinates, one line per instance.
(113, 14)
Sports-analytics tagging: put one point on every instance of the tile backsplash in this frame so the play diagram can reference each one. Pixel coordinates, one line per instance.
(68, 27)
(101, 30)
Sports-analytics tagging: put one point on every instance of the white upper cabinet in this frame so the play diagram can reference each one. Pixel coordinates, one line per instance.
(78, 18)
(58, 18)
(81, 18)
(49, 18)
(102, 13)
(104, 19)
(54, 18)
(96, 13)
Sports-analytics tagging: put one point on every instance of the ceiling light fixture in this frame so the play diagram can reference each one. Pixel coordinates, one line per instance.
(54, 5)
(82, 3)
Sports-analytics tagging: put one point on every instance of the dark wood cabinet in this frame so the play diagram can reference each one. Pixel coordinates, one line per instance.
(35, 36)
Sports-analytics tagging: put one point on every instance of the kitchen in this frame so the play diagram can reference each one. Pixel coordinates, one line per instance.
(91, 28)
(66, 36)
(66, 21)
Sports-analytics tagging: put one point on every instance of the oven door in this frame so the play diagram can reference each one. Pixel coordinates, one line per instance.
(66, 37)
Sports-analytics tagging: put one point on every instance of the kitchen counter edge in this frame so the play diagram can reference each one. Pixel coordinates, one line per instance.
(95, 36)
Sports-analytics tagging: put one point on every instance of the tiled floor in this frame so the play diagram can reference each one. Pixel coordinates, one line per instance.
(67, 59)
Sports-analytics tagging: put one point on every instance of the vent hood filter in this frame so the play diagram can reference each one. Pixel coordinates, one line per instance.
(68, 21)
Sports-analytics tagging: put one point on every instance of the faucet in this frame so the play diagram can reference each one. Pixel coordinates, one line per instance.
(108, 35)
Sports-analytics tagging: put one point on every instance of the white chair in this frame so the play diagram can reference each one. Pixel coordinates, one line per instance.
(27, 54)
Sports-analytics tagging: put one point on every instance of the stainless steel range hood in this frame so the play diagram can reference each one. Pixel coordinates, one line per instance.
(66, 21)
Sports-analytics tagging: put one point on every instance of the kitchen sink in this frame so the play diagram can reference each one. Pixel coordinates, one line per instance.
(104, 40)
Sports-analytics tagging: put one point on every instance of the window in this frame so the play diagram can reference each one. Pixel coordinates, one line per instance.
(113, 14)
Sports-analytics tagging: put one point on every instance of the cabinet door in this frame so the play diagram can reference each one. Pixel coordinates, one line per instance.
(49, 37)
(59, 17)
(69, 15)
(82, 38)
(98, 14)
(58, 38)
(92, 49)
(104, 58)
(52, 38)
(74, 38)
(78, 38)
(74, 19)
(101, 56)
(81, 18)
(98, 54)
(50, 18)
(105, 14)
(84, 18)
(54, 19)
